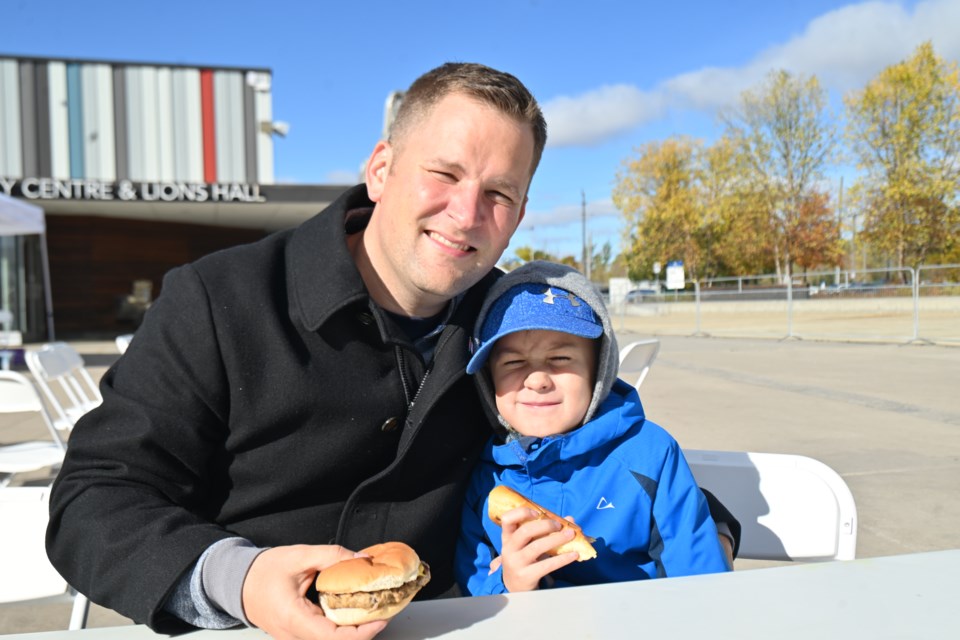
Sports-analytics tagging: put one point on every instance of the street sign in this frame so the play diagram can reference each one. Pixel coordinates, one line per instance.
(675, 276)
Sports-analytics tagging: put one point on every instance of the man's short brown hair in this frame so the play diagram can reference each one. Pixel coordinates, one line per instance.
(498, 89)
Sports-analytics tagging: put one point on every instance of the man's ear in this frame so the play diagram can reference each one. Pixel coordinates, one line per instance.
(378, 167)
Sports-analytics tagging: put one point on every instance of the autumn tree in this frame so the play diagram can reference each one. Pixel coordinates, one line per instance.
(786, 139)
(737, 226)
(529, 254)
(904, 128)
(817, 233)
(657, 192)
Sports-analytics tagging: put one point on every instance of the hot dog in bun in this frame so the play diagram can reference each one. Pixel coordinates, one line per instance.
(503, 499)
(377, 587)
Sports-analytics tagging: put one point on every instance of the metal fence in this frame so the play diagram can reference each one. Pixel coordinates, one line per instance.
(903, 305)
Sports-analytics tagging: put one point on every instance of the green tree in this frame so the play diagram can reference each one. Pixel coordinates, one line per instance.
(600, 263)
(904, 128)
(786, 139)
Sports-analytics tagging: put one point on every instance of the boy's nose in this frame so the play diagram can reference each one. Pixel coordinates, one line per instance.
(538, 380)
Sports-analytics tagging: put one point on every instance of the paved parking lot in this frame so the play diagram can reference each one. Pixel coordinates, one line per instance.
(885, 416)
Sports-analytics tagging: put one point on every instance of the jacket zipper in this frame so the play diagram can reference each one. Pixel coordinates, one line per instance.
(405, 382)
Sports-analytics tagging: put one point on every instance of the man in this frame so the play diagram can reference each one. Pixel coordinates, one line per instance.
(289, 401)
(308, 388)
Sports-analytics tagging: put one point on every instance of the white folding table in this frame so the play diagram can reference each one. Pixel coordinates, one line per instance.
(911, 596)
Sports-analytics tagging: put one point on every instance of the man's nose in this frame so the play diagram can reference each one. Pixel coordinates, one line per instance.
(466, 205)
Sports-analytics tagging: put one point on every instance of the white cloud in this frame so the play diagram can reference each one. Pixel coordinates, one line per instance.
(844, 48)
(342, 176)
(599, 114)
(564, 215)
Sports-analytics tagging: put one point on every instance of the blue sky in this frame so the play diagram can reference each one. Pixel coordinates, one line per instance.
(610, 75)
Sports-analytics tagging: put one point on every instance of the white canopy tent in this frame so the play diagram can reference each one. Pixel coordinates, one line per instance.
(18, 218)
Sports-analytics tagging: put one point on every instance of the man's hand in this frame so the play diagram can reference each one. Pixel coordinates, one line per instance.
(525, 542)
(274, 594)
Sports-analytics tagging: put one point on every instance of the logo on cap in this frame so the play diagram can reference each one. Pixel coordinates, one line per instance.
(549, 296)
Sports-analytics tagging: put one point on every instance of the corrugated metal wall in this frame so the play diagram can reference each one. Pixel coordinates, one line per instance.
(104, 121)
(11, 145)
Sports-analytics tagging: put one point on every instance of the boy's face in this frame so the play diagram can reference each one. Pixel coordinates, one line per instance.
(543, 380)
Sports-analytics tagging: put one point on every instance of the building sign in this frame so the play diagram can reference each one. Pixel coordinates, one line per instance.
(129, 190)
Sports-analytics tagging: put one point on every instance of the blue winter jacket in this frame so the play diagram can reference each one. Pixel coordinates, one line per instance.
(625, 482)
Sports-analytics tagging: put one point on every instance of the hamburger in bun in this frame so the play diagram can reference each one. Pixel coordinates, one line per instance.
(503, 499)
(377, 587)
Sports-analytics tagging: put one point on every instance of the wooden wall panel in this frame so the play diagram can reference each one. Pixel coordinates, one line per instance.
(94, 261)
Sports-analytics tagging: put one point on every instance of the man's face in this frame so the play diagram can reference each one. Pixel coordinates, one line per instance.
(449, 196)
(543, 380)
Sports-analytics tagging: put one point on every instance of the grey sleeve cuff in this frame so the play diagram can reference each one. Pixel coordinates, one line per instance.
(210, 595)
(223, 571)
(724, 529)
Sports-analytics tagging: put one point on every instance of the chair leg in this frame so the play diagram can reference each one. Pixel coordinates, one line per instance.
(78, 617)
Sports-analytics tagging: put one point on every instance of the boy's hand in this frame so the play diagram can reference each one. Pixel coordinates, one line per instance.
(525, 542)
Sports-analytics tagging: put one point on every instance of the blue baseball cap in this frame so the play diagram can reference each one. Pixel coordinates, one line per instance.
(533, 306)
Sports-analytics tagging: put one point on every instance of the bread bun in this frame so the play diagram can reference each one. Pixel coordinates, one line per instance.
(376, 587)
(503, 499)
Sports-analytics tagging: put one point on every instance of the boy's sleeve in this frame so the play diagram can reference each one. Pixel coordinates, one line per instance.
(475, 551)
(688, 534)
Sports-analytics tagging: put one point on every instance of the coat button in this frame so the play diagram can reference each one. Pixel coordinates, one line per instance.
(390, 424)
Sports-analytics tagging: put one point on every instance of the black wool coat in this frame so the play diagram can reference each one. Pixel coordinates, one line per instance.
(266, 396)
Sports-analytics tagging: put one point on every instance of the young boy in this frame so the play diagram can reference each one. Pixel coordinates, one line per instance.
(574, 439)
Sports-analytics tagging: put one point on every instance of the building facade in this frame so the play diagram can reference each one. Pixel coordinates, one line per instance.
(139, 167)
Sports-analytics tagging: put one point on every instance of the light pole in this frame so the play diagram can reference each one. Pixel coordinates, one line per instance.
(586, 245)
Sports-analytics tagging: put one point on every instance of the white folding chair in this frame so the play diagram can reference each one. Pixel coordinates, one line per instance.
(123, 341)
(75, 394)
(18, 395)
(639, 356)
(791, 507)
(27, 573)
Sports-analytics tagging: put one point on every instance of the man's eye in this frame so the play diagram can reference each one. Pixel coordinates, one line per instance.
(445, 176)
(501, 198)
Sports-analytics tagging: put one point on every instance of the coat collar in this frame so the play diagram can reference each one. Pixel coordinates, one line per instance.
(321, 272)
